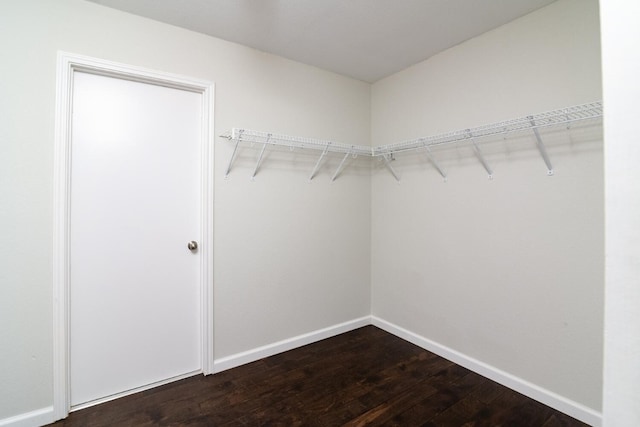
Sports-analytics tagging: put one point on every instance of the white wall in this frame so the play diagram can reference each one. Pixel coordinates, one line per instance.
(621, 87)
(508, 272)
(290, 257)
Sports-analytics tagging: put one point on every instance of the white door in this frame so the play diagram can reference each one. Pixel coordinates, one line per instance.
(134, 316)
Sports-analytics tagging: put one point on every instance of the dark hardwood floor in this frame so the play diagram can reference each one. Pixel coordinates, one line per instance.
(364, 377)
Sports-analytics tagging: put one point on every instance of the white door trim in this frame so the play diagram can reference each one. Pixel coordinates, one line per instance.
(67, 65)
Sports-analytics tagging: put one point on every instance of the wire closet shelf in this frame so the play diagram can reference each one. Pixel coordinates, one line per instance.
(564, 116)
(561, 117)
(252, 136)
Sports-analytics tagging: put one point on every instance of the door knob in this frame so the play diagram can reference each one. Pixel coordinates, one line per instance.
(192, 245)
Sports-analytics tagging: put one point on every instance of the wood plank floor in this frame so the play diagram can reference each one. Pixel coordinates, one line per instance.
(363, 377)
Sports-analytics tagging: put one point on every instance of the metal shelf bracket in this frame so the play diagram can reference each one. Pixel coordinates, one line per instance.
(233, 154)
(541, 147)
(340, 166)
(434, 162)
(264, 147)
(387, 162)
(317, 166)
(480, 155)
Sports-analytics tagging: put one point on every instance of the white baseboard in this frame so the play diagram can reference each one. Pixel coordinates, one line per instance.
(35, 418)
(249, 356)
(45, 415)
(549, 398)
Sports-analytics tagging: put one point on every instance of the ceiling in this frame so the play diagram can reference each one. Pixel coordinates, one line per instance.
(363, 39)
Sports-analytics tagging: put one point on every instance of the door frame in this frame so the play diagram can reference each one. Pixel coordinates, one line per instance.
(67, 65)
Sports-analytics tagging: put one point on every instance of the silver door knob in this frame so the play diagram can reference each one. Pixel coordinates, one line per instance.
(192, 245)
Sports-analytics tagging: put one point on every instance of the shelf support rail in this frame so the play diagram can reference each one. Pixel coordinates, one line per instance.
(479, 154)
(541, 147)
(233, 154)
